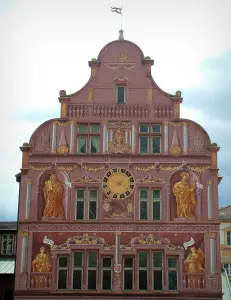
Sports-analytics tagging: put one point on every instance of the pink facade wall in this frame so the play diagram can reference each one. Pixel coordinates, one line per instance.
(119, 62)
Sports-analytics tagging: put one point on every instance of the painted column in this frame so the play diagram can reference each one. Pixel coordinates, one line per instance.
(117, 265)
(105, 138)
(72, 137)
(166, 137)
(213, 254)
(110, 135)
(126, 136)
(185, 134)
(28, 198)
(210, 200)
(53, 145)
(24, 251)
(133, 138)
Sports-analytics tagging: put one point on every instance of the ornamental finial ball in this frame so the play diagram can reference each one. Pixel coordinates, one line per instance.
(178, 93)
(25, 144)
(62, 93)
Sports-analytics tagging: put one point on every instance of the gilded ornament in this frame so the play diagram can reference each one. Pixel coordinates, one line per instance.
(122, 58)
(93, 169)
(198, 169)
(65, 168)
(176, 150)
(90, 94)
(121, 123)
(118, 145)
(64, 123)
(170, 168)
(150, 94)
(23, 233)
(117, 233)
(39, 168)
(90, 180)
(62, 149)
(210, 182)
(151, 179)
(129, 67)
(144, 168)
(212, 235)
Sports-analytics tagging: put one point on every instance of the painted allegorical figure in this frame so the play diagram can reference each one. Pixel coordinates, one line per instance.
(194, 262)
(118, 145)
(185, 197)
(42, 262)
(53, 194)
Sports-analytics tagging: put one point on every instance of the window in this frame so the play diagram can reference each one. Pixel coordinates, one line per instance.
(150, 138)
(143, 204)
(62, 272)
(128, 263)
(156, 204)
(92, 270)
(89, 195)
(88, 139)
(7, 244)
(172, 273)
(155, 213)
(157, 270)
(229, 238)
(107, 274)
(77, 273)
(227, 267)
(120, 94)
(143, 271)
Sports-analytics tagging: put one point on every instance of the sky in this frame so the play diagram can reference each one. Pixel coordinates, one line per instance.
(46, 46)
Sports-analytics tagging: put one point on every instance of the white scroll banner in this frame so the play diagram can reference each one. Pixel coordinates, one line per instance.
(189, 243)
(48, 241)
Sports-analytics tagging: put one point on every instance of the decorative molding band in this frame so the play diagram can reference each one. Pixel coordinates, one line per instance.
(122, 228)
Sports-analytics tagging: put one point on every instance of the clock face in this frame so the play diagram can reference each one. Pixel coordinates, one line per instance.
(118, 183)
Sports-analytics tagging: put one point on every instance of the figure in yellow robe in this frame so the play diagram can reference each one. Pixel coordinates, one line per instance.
(53, 194)
(185, 198)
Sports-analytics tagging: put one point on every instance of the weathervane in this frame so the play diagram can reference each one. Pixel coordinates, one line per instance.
(118, 11)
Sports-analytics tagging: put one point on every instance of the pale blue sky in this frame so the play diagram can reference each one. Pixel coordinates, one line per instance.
(46, 45)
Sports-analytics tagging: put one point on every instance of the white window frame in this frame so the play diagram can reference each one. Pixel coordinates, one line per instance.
(77, 268)
(157, 200)
(106, 269)
(228, 270)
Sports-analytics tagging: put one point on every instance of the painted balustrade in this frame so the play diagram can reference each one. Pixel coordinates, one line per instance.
(40, 280)
(194, 281)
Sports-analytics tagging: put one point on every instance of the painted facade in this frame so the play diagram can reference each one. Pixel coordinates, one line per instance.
(119, 195)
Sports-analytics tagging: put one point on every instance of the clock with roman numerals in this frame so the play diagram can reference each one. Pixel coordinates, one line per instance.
(118, 183)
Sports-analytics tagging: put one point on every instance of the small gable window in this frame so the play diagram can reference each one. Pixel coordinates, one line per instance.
(120, 94)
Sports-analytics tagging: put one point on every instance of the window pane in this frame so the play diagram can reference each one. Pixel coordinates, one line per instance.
(143, 279)
(77, 279)
(92, 259)
(172, 262)
(92, 210)
(82, 144)
(172, 280)
(82, 128)
(80, 194)
(62, 261)
(93, 194)
(144, 194)
(156, 128)
(78, 259)
(106, 280)
(143, 127)
(157, 280)
(156, 144)
(143, 144)
(157, 259)
(229, 238)
(156, 194)
(80, 210)
(128, 262)
(143, 259)
(143, 210)
(95, 128)
(62, 280)
(128, 279)
(91, 282)
(120, 94)
(107, 262)
(156, 210)
(94, 144)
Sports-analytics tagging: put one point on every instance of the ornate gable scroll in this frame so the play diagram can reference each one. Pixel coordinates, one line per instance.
(121, 61)
(152, 240)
